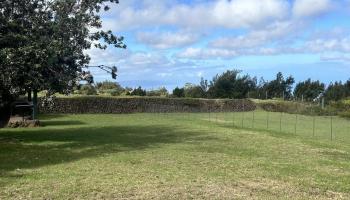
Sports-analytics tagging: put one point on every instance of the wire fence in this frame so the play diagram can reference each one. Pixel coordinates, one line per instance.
(315, 127)
(322, 127)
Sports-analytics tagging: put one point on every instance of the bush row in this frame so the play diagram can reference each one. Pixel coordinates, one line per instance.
(81, 105)
(334, 108)
(282, 106)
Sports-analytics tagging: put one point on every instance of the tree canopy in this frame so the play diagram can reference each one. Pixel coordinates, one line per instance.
(179, 92)
(42, 42)
(231, 85)
(337, 91)
(280, 87)
(309, 89)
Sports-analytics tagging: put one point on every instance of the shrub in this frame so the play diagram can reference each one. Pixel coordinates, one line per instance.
(345, 114)
(318, 111)
(194, 92)
(87, 90)
(109, 87)
(138, 92)
(347, 102)
(115, 92)
(282, 106)
(161, 92)
(179, 92)
(334, 108)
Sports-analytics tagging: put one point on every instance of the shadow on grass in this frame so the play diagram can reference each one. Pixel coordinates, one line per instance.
(270, 132)
(61, 123)
(51, 116)
(42, 147)
(4, 116)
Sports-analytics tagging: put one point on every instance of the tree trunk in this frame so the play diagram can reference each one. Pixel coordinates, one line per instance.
(29, 95)
(5, 107)
(35, 104)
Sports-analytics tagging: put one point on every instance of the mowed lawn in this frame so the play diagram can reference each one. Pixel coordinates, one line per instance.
(171, 156)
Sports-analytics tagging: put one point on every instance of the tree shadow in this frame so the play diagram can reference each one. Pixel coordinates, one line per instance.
(60, 123)
(4, 116)
(42, 147)
(51, 116)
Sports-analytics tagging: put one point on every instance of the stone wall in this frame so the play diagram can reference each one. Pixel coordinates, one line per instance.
(82, 105)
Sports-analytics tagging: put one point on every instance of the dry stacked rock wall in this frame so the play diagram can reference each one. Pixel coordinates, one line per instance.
(92, 105)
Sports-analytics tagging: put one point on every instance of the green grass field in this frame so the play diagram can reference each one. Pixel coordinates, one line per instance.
(177, 156)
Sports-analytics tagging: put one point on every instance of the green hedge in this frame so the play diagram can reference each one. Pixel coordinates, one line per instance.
(282, 106)
(333, 108)
(345, 114)
(94, 104)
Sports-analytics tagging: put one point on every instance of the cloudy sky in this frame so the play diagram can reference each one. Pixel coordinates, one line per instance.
(172, 42)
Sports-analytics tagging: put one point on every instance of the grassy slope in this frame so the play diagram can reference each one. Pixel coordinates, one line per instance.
(145, 156)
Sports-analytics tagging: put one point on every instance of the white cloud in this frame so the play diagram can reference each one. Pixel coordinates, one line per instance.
(270, 34)
(307, 8)
(233, 28)
(165, 74)
(127, 59)
(336, 57)
(245, 13)
(331, 44)
(147, 59)
(209, 53)
(107, 57)
(204, 14)
(200, 74)
(259, 43)
(167, 40)
(270, 29)
(137, 62)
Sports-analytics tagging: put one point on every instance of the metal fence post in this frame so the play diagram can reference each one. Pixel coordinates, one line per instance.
(313, 126)
(183, 112)
(216, 115)
(233, 119)
(253, 119)
(322, 103)
(242, 119)
(189, 112)
(281, 122)
(331, 128)
(243, 115)
(267, 120)
(296, 122)
(209, 109)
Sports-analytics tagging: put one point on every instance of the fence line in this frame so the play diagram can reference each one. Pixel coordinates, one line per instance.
(312, 127)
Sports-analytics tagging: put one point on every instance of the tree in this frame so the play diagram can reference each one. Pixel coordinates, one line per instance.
(138, 92)
(347, 88)
(204, 85)
(160, 92)
(87, 90)
(231, 85)
(193, 91)
(280, 87)
(109, 87)
(179, 92)
(42, 43)
(309, 89)
(336, 91)
(260, 89)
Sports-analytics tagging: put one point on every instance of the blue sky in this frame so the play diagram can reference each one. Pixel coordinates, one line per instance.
(173, 42)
